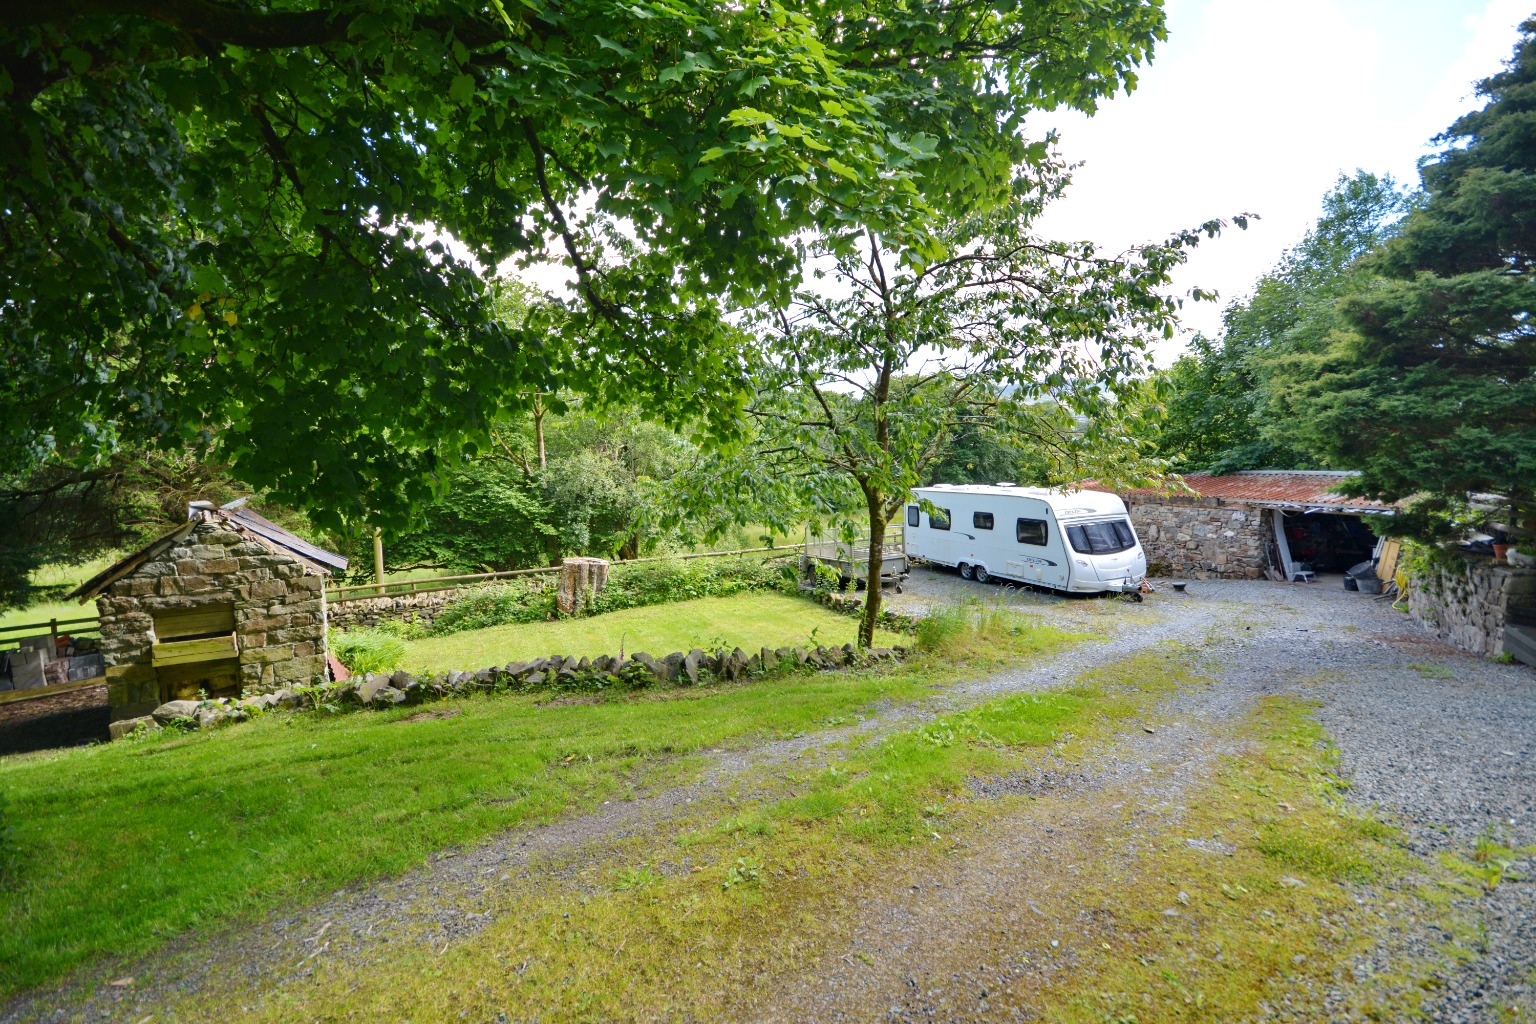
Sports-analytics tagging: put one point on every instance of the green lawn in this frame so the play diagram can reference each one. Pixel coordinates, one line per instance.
(120, 847)
(127, 844)
(57, 576)
(748, 621)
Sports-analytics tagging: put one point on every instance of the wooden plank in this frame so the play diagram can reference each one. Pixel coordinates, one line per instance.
(13, 696)
(172, 623)
(184, 652)
(1386, 568)
(1520, 643)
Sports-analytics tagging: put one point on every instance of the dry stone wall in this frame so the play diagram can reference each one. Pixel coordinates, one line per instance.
(1201, 538)
(361, 612)
(558, 672)
(279, 616)
(1470, 609)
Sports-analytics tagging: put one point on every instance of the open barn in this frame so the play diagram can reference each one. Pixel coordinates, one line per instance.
(1254, 524)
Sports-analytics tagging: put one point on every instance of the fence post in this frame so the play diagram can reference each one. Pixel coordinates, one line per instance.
(378, 558)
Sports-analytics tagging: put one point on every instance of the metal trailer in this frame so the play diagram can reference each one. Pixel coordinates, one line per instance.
(851, 560)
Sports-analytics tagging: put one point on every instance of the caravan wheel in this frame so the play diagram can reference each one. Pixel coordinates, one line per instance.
(966, 571)
(982, 576)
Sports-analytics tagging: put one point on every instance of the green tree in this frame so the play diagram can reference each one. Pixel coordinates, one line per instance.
(1431, 389)
(862, 387)
(601, 488)
(1220, 413)
(223, 222)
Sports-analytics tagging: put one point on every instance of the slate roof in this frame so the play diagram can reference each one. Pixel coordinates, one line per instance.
(1273, 488)
(242, 520)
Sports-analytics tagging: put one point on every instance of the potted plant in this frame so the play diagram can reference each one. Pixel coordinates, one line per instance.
(1523, 556)
(1501, 545)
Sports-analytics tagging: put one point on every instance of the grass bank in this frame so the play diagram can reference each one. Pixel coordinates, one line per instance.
(126, 845)
(749, 621)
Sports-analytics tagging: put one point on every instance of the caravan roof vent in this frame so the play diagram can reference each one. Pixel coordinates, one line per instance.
(1006, 483)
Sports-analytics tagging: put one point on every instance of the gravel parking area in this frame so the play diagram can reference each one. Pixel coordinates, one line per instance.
(1440, 742)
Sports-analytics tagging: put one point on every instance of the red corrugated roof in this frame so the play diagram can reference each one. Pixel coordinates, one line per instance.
(1271, 487)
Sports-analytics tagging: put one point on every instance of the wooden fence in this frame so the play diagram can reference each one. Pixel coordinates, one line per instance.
(11, 636)
(433, 584)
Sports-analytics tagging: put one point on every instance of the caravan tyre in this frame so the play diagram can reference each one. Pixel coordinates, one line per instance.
(982, 576)
(966, 572)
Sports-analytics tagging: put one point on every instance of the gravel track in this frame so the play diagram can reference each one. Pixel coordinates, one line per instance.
(1443, 742)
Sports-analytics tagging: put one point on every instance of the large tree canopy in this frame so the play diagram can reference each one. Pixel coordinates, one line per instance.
(221, 220)
(1222, 413)
(1433, 388)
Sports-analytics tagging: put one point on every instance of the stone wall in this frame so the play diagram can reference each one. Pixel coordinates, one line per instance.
(1201, 538)
(370, 611)
(279, 619)
(1469, 609)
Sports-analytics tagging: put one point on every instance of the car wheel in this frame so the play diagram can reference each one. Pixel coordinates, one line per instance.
(982, 576)
(966, 572)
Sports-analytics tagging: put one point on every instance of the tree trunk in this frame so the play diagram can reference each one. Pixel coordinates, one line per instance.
(538, 428)
(876, 559)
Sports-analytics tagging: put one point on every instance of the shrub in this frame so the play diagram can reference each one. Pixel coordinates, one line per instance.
(496, 605)
(630, 585)
(647, 583)
(378, 649)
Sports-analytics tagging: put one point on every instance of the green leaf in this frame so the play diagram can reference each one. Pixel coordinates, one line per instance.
(462, 90)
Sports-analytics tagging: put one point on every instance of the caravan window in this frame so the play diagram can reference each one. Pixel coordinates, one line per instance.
(940, 521)
(981, 520)
(1032, 531)
(1101, 538)
(911, 515)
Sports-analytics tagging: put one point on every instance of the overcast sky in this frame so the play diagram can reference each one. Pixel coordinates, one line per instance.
(1258, 106)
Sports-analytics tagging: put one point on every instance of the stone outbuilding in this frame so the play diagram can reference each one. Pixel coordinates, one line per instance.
(1254, 524)
(228, 604)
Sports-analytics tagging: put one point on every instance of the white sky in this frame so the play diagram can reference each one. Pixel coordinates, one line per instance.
(1258, 106)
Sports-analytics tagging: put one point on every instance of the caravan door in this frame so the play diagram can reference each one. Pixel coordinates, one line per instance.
(1037, 553)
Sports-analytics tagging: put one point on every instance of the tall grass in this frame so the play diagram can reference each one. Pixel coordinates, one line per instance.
(956, 628)
(378, 649)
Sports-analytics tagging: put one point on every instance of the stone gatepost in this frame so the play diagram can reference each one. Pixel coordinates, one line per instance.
(581, 580)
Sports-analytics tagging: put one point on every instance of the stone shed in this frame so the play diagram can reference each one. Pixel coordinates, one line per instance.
(1246, 525)
(227, 603)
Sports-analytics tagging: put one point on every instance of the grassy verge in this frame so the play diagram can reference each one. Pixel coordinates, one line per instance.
(126, 845)
(748, 621)
(738, 906)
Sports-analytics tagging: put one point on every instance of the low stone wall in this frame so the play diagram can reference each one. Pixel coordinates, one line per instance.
(370, 611)
(1201, 538)
(560, 672)
(853, 606)
(1470, 608)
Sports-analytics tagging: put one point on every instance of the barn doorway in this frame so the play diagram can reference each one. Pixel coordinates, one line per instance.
(1330, 542)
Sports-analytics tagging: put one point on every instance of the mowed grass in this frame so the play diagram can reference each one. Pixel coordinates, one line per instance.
(123, 846)
(748, 621)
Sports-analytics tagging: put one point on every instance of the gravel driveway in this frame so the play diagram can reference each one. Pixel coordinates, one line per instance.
(1442, 742)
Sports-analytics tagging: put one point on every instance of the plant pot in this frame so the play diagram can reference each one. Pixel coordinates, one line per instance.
(1521, 560)
(1501, 552)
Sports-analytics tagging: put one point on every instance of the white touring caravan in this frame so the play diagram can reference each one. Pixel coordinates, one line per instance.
(1078, 541)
